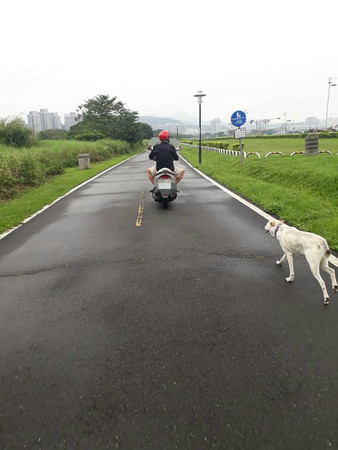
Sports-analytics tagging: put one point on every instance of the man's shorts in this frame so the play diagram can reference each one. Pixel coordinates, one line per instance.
(177, 172)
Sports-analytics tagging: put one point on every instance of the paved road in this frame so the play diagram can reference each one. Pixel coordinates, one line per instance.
(179, 333)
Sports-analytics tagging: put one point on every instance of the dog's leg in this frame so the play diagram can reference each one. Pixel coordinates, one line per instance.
(291, 277)
(280, 262)
(315, 272)
(324, 265)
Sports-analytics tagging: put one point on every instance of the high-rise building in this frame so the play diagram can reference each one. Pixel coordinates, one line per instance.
(46, 122)
(43, 120)
(215, 126)
(55, 121)
(34, 121)
(70, 120)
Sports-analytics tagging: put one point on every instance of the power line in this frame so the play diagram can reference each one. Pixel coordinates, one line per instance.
(27, 81)
(21, 72)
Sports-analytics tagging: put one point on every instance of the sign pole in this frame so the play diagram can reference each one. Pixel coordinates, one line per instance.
(240, 148)
(238, 119)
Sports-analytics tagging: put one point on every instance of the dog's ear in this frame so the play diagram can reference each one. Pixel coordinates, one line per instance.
(272, 223)
(282, 221)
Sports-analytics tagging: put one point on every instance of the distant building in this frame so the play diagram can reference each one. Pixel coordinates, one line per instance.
(215, 126)
(43, 120)
(174, 128)
(69, 120)
(34, 121)
(312, 122)
(55, 121)
(46, 120)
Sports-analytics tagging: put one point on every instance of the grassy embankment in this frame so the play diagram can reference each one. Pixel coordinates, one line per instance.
(33, 178)
(303, 190)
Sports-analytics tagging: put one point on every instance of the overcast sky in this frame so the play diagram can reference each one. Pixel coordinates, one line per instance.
(265, 57)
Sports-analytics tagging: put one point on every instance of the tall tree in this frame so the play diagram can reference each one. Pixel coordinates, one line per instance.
(110, 117)
(146, 130)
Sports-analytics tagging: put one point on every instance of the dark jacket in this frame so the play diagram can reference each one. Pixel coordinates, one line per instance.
(164, 154)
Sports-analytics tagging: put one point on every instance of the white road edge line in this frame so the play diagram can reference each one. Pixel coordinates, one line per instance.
(63, 196)
(262, 213)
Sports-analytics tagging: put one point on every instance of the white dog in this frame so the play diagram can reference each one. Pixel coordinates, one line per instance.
(314, 247)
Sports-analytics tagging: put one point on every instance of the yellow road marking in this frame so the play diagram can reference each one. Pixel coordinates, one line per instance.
(140, 211)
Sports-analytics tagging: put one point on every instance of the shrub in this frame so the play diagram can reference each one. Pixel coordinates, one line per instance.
(53, 134)
(90, 136)
(20, 168)
(222, 145)
(236, 147)
(14, 133)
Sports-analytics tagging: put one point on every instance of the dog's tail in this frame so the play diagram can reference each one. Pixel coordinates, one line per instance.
(325, 248)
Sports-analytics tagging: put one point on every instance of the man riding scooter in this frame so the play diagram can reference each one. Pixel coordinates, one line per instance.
(164, 154)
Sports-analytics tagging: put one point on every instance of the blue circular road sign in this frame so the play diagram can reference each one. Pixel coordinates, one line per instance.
(238, 118)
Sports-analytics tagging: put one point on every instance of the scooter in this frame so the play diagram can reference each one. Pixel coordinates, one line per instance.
(165, 187)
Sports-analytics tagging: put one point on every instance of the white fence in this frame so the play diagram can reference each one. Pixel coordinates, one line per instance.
(237, 153)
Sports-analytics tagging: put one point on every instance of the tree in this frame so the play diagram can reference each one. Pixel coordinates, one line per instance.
(110, 117)
(89, 136)
(54, 134)
(13, 132)
(77, 129)
(146, 130)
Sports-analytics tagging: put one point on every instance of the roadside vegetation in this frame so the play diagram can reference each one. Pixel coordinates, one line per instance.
(24, 168)
(31, 199)
(303, 190)
(14, 133)
(266, 144)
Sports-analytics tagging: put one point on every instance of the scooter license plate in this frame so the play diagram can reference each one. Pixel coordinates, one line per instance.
(164, 186)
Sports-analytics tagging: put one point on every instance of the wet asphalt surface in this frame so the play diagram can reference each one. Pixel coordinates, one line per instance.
(180, 333)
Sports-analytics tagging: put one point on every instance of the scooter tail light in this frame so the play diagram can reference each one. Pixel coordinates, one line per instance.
(164, 177)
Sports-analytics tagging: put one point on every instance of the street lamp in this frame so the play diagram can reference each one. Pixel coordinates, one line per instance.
(199, 96)
(285, 124)
(328, 99)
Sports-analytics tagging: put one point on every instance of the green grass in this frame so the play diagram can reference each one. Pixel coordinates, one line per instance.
(285, 145)
(301, 190)
(13, 212)
(29, 167)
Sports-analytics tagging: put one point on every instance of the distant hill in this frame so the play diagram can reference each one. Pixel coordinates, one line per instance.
(185, 118)
(158, 119)
(158, 122)
(180, 117)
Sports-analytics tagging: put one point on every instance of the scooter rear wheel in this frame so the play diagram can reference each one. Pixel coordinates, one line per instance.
(165, 203)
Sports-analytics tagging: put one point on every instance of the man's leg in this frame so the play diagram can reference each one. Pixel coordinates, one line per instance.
(179, 174)
(151, 173)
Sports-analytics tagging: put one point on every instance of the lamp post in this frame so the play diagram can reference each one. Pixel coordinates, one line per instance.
(199, 96)
(328, 99)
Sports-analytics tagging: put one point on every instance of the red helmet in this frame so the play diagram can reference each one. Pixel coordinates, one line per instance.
(164, 135)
